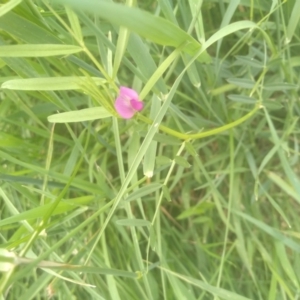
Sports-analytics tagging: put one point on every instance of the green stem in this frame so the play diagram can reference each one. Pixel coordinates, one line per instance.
(199, 135)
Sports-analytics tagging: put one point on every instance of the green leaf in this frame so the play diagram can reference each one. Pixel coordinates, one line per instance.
(195, 7)
(192, 71)
(12, 259)
(77, 182)
(295, 61)
(87, 114)
(272, 104)
(181, 161)
(150, 155)
(50, 83)
(288, 170)
(75, 24)
(28, 180)
(216, 291)
(191, 150)
(275, 233)
(163, 160)
(280, 86)
(160, 71)
(200, 209)
(120, 49)
(286, 264)
(163, 138)
(38, 50)
(242, 82)
(293, 21)
(166, 139)
(139, 52)
(38, 212)
(8, 6)
(241, 99)
(144, 191)
(154, 28)
(284, 186)
(250, 61)
(133, 222)
(97, 270)
(166, 193)
(26, 30)
(7, 260)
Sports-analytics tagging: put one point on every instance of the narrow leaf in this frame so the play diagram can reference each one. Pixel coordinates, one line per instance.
(182, 161)
(8, 6)
(50, 83)
(284, 186)
(133, 222)
(275, 233)
(163, 160)
(75, 24)
(241, 99)
(250, 61)
(151, 27)
(280, 86)
(150, 155)
(242, 82)
(166, 193)
(190, 148)
(41, 50)
(37, 212)
(293, 21)
(144, 191)
(87, 114)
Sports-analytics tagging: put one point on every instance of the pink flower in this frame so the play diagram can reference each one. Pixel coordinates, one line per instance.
(128, 103)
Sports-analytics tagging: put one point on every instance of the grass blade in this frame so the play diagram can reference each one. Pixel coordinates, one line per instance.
(5, 8)
(154, 28)
(50, 83)
(41, 50)
(88, 114)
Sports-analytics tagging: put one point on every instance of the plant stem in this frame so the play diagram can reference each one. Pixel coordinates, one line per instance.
(199, 135)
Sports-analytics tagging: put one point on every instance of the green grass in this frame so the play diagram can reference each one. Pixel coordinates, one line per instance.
(196, 197)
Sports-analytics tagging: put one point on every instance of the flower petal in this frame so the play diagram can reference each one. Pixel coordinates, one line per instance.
(136, 104)
(124, 108)
(128, 93)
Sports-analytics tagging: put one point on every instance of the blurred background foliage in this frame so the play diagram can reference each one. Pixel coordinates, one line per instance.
(219, 217)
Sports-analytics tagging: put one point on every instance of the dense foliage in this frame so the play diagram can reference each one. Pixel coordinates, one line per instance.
(196, 196)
